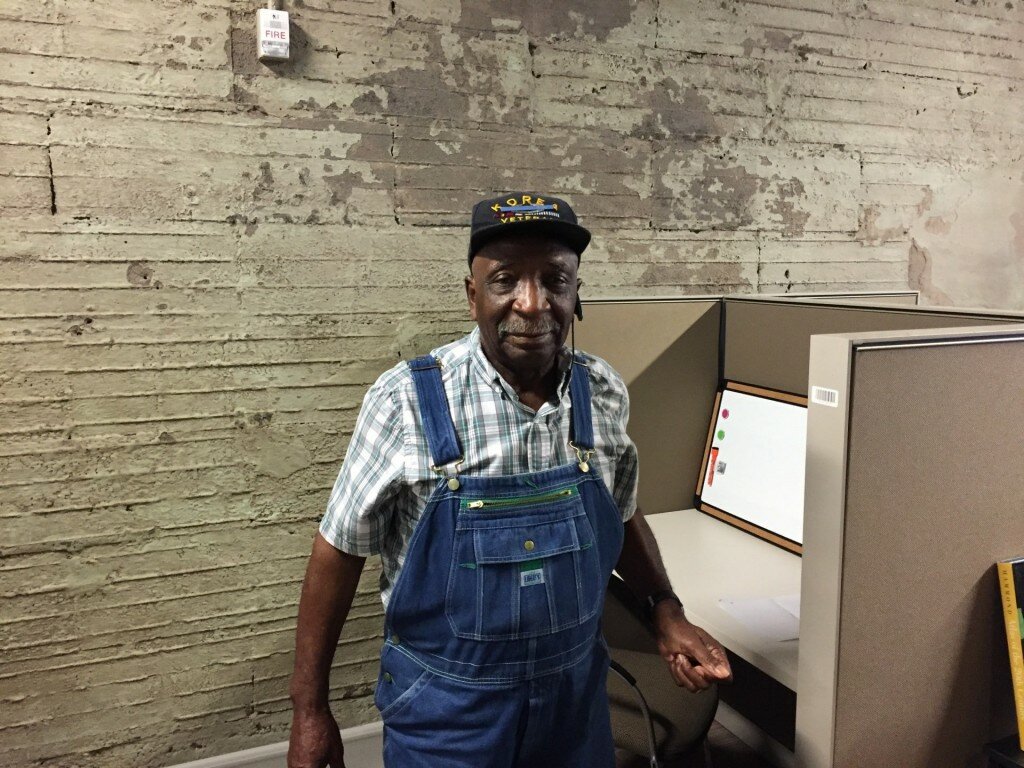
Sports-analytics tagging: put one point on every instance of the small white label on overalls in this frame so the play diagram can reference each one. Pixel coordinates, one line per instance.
(529, 578)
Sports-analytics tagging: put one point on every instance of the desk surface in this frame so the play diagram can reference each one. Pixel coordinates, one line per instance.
(707, 560)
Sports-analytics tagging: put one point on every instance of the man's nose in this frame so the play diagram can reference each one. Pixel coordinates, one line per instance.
(531, 298)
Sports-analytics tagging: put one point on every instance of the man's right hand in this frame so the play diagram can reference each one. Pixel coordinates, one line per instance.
(315, 740)
(332, 577)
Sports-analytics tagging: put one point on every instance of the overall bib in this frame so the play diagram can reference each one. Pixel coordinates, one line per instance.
(493, 654)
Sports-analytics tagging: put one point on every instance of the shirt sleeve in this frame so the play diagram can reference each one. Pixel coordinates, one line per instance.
(362, 506)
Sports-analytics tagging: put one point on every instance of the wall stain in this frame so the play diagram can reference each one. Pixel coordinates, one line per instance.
(369, 103)
(722, 196)
(1017, 222)
(919, 276)
(793, 219)
(265, 182)
(692, 273)
(250, 222)
(140, 274)
(677, 112)
(341, 185)
(870, 233)
(542, 19)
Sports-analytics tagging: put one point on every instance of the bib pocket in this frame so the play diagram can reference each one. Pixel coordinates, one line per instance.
(523, 567)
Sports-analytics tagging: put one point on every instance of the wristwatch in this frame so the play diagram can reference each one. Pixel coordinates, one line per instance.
(656, 597)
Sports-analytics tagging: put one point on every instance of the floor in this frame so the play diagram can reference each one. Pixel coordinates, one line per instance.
(726, 751)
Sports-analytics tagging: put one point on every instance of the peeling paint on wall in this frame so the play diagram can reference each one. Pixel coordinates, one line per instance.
(966, 244)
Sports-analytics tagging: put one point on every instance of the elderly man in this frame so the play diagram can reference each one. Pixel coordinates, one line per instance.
(496, 480)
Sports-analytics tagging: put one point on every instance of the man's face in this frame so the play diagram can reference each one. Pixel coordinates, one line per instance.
(522, 292)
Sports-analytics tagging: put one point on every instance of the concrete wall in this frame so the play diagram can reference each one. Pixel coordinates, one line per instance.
(204, 261)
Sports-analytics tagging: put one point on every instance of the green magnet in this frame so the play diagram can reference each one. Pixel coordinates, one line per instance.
(721, 434)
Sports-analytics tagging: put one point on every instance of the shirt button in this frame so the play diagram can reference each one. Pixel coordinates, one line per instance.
(528, 545)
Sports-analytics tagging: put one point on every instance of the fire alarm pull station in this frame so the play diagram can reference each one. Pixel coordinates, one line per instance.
(272, 34)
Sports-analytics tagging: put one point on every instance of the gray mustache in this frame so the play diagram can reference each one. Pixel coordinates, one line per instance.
(520, 328)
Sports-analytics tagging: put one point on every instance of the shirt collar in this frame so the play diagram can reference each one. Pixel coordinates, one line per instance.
(483, 368)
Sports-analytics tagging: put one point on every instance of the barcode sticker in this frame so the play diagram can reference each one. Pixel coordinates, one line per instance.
(825, 396)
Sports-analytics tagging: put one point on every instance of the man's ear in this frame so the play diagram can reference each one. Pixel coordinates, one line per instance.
(471, 296)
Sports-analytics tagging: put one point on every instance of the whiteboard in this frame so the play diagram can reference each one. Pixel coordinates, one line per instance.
(753, 471)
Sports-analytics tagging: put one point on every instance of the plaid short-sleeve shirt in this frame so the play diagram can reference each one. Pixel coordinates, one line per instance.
(386, 479)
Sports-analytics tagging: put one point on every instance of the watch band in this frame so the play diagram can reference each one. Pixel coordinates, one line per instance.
(656, 597)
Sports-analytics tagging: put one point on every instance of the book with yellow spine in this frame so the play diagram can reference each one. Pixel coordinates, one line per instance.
(1011, 586)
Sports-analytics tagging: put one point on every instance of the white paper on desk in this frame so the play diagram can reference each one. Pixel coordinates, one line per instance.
(790, 602)
(773, 618)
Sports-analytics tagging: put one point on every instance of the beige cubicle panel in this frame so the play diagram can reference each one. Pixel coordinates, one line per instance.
(915, 487)
(667, 353)
(767, 340)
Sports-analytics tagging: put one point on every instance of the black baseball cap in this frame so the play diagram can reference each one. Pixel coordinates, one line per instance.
(525, 212)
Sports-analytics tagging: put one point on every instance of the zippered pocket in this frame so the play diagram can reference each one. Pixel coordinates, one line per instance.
(521, 501)
(522, 567)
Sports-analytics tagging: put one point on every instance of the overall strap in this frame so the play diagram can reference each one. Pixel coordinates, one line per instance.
(434, 412)
(579, 389)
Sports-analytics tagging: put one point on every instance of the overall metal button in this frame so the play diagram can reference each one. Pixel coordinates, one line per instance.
(453, 483)
(529, 545)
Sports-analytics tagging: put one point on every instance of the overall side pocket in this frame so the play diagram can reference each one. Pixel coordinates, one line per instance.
(399, 682)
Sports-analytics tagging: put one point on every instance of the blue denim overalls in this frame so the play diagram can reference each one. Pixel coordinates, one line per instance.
(493, 654)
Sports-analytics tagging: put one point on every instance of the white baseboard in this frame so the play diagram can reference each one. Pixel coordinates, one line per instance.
(363, 746)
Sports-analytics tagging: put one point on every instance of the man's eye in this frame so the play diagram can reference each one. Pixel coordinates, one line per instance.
(560, 282)
(502, 281)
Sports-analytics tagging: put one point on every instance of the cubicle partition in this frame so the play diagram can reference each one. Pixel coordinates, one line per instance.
(915, 487)
(667, 352)
(913, 491)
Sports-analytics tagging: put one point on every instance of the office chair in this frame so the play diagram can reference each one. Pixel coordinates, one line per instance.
(651, 716)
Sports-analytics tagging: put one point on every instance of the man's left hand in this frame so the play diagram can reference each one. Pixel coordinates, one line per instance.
(695, 658)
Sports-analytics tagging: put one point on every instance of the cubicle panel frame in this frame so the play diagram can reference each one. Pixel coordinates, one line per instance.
(902, 298)
(821, 568)
(779, 359)
(831, 725)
